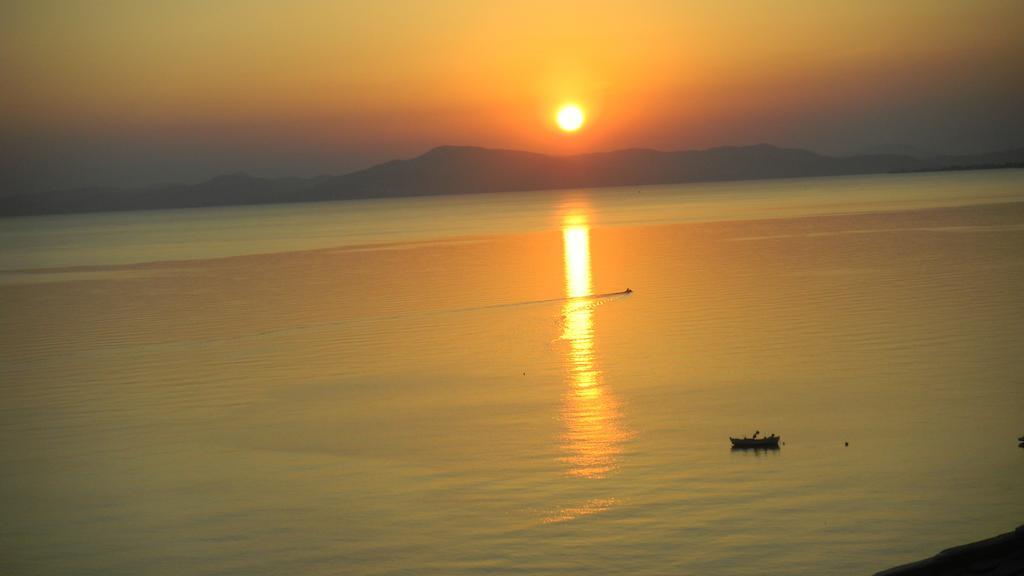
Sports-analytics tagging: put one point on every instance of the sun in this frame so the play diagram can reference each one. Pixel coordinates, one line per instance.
(570, 117)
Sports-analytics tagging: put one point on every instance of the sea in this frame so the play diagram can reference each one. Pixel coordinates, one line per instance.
(518, 383)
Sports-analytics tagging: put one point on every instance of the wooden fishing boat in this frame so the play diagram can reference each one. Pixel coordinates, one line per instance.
(766, 442)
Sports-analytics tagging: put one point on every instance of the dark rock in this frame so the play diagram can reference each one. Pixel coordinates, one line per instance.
(1002, 555)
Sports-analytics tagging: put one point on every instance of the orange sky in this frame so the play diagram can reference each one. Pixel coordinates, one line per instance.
(136, 91)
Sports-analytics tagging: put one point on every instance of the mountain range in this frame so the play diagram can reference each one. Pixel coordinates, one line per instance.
(464, 169)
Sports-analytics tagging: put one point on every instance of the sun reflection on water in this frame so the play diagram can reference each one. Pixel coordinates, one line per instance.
(593, 438)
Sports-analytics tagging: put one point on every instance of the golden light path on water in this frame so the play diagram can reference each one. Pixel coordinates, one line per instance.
(593, 437)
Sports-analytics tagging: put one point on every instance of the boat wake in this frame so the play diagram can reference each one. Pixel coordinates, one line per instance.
(589, 300)
(573, 303)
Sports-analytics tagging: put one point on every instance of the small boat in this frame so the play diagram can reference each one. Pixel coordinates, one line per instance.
(766, 442)
(628, 291)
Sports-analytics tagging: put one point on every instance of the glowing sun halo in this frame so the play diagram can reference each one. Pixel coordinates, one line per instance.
(570, 117)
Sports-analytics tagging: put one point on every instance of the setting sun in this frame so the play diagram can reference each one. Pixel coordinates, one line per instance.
(570, 117)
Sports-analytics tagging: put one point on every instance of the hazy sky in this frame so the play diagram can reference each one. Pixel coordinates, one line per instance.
(135, 92)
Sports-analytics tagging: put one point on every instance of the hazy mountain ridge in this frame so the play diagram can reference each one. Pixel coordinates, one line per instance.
(465, 169)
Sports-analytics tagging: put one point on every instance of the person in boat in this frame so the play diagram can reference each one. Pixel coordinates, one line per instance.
(629, 291)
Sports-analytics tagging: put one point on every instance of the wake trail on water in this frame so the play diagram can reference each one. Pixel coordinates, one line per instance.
(594, 299)
(573, 303)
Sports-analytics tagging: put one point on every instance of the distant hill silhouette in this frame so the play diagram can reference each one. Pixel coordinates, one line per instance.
(462, 170)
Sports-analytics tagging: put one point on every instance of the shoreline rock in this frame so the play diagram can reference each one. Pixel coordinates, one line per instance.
(1001, 555)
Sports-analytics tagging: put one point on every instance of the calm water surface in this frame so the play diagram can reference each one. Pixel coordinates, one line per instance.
(458, 386)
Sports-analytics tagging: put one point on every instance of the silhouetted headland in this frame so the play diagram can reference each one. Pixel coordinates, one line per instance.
(463, 170)
(1002, 555)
